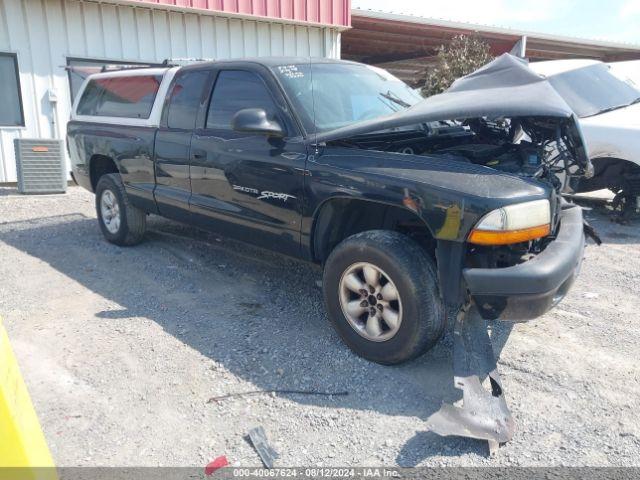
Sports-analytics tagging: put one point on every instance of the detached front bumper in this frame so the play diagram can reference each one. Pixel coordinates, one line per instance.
(528, 290)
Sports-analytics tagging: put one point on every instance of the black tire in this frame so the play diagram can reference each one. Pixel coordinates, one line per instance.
(413, 274)
(133, 221)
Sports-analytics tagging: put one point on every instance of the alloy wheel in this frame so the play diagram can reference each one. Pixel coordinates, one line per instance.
(370, 302)
(110, 211)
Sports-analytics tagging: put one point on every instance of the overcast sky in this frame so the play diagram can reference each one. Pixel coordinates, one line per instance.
(615, 20)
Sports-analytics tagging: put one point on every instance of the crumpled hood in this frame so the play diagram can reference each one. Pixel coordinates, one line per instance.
(506, 87)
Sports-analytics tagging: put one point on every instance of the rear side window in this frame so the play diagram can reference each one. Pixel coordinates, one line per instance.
(80, 68)
(185, 98)
(234, 91)
(126, 97)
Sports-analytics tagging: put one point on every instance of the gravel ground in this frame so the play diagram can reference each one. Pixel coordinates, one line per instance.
(121, 348)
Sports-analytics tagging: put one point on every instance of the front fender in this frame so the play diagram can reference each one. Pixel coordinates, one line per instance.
(448, 195)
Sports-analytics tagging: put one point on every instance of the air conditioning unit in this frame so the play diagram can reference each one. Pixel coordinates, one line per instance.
(41, 165)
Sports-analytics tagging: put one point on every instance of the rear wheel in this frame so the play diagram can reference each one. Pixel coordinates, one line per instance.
(121, 223)
(381, 293)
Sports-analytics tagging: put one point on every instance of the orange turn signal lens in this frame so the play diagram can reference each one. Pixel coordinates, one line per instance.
(506, 237)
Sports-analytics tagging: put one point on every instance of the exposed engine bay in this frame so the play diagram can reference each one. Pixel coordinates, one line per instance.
(539, 148)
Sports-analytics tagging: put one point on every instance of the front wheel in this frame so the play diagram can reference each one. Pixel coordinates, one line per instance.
(121, 223)
(381, 293)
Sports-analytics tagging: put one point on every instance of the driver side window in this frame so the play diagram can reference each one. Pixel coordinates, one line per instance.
(235, 90)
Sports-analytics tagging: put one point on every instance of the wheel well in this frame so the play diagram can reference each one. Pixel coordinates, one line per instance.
(100, 165)
(341, 218)
(612, 173)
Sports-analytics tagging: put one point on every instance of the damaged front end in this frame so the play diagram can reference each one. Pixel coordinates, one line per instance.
(506, 118)
(517, 282)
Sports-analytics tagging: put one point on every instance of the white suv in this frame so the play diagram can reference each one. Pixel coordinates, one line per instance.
(609, 112)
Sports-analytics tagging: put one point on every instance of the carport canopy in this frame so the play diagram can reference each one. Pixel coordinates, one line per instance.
(406, 45)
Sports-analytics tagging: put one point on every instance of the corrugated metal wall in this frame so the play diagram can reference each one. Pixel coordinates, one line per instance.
(44, 33)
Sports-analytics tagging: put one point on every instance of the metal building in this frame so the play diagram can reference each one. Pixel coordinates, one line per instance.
(40, 38)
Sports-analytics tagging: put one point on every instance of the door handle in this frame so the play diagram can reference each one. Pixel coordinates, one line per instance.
(198, 155)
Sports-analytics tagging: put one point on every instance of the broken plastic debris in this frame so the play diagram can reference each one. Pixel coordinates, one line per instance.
(258, 439)
(215, 464)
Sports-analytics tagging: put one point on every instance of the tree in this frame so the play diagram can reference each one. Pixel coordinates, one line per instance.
(463, 55)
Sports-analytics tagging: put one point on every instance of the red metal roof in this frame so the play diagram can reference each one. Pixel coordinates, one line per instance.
(326, 12)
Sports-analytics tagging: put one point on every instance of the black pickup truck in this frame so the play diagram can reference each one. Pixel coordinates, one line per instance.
(411, 205)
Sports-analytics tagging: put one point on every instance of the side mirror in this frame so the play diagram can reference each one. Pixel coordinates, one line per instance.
(254, 120)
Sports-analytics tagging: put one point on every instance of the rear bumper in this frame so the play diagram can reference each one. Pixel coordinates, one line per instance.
(528, 290)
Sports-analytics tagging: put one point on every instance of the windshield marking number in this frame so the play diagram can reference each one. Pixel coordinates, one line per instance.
(290, 71)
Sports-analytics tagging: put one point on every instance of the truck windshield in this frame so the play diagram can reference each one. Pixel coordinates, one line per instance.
(343, 94)
(593, 90)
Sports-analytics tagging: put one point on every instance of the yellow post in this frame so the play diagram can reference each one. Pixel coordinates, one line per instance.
(23, 450)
